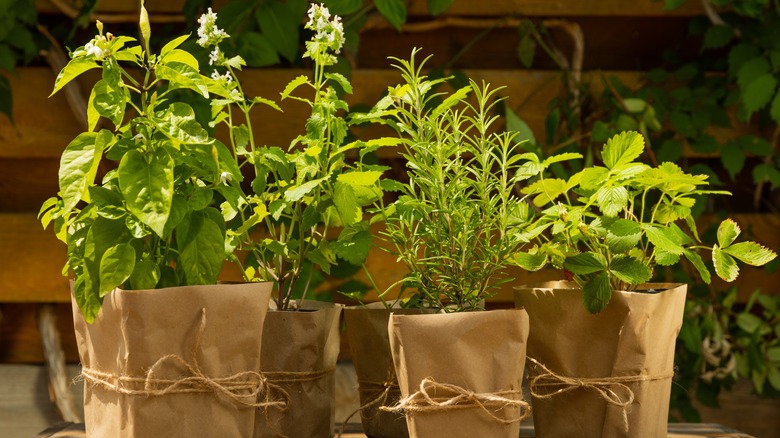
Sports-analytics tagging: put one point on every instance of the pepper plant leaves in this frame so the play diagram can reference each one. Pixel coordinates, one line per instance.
(78, 166)
(109, 101)
(183, 76)
(74, 68)
(178, 123)
(146, 275)
(201, 247)
(116, 266)
(147, 185)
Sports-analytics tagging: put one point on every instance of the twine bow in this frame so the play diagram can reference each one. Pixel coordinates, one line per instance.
(451, 397)
(245, 388)
(614, 390)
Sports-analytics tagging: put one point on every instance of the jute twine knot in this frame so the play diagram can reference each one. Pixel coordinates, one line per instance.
(614, 389)
(452, 397)
(246, 388)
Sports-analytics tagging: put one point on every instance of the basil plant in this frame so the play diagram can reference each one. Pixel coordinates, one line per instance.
(608, 227)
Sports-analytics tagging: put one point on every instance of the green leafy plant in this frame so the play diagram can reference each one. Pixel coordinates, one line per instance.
(149, 222)
(299, 195)
(456, 223)
(608, 227)
(722, 340)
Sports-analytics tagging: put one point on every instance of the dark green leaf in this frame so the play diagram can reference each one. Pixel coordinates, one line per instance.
(257, 50)
(585, 263)
(630, 270)
(436, 7)
(733, 158)
(622, 235)
(343, 7)
(279, 23)
(759, 92)
(597, 293)
(663, 238)
(717, 36)
(355, 249)
(393, 10)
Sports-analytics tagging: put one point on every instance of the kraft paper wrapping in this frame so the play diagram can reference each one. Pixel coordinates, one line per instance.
(480, 352)
(300, 349)
(215, 330)
(631, 341)
(377, 383)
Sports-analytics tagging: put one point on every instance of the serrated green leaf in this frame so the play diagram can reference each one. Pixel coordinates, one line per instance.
(597, 293)
(751, 70)
(593, 177)
(355, 249)
(341, 80)
(296, 193)
(585, 263)
(663, 238)
(630, 270)
(530, 262)
(725, 265)
(622, 235)
(148, 186)
(346, 202)
(293, 84)
(622, 149)
(116, 265)
(751, 253)
(612, 200)
(728, 231)
(664, 258)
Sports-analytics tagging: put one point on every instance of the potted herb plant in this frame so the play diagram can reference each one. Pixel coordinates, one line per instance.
(608, 227)
(305, 211)
(455, 225)
(157, 336)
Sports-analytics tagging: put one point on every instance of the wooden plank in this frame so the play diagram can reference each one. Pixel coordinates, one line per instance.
(32, 109)
(20, 339)
(459, 7)
(25, 408)
(32, 261)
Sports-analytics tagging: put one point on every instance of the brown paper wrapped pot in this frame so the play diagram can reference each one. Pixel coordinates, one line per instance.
(377, 383)
(165, 330)
(300, 349)
(478, 352)
(630, 343)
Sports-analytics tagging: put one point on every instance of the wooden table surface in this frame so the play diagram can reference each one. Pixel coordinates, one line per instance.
(353, 430)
